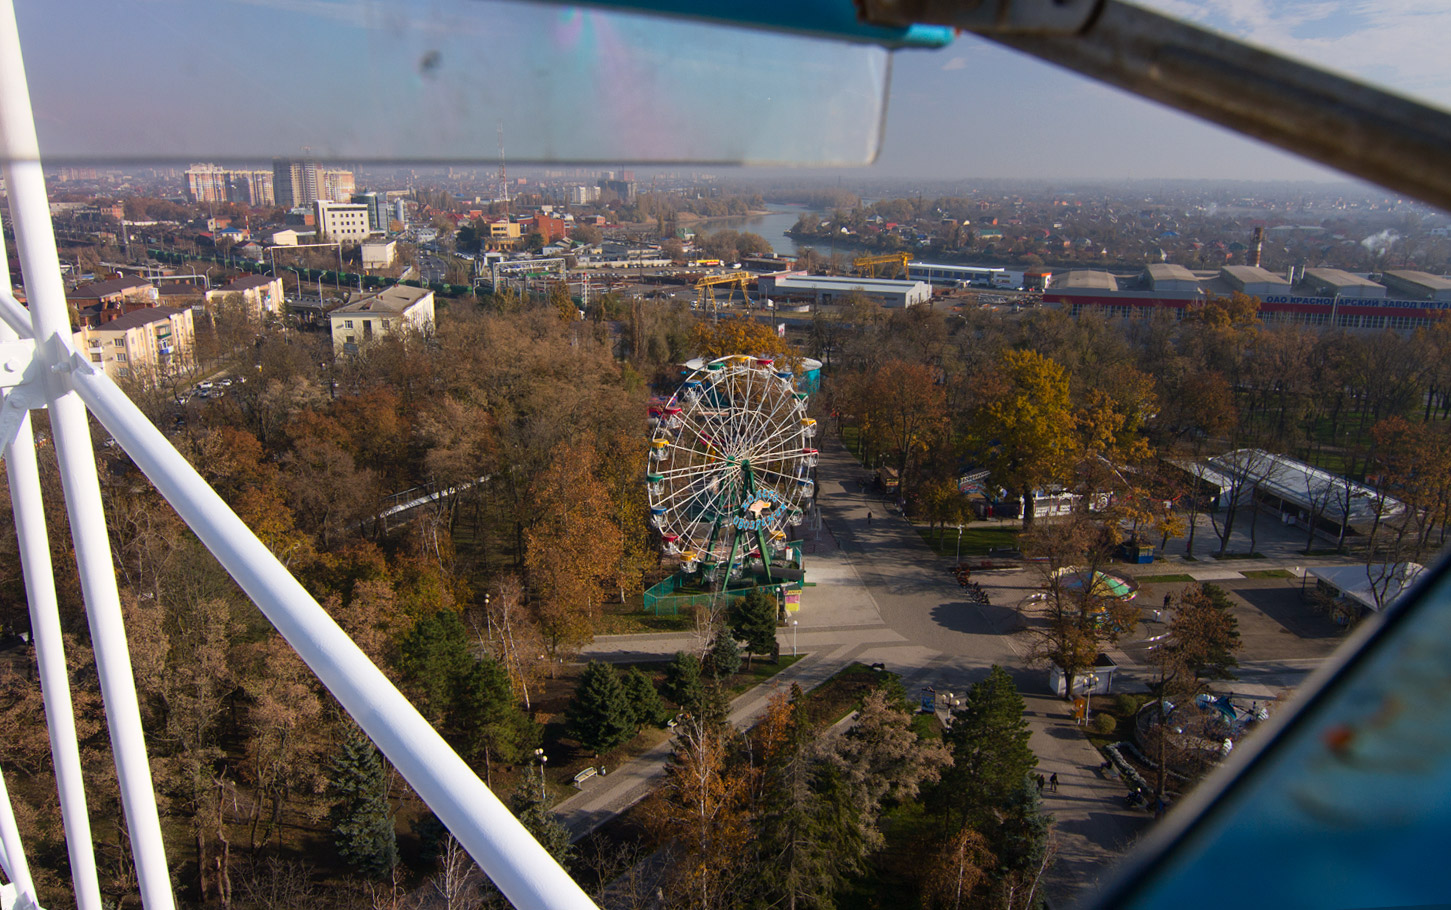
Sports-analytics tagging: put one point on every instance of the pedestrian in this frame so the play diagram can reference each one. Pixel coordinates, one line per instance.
(1053, 782)
(1168, 599)
(1039, 781)
(869, 516)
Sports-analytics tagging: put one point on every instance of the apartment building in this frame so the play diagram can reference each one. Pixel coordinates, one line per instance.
(142, 343)
(261, 293)
(341, 221)
(391, 310)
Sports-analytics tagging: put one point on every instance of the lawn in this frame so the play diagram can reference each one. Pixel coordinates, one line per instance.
(843, 693)
(977, 540)
(1268, 573)
(1162, 579)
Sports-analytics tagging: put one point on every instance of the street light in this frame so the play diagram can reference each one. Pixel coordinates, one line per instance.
(539, 754)
(959, 544)
(1091, 680)
(794, 624)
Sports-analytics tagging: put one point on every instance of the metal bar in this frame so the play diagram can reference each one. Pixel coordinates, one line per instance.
(12, 854)
(35, 240)
(1369, 133)
(34, 540)
(527, 875)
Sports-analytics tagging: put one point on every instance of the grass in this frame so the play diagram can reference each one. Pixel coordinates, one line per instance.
(976, 541)
(843, 693)
(760, 671)
(1122, 707)
(1268, 573)
(629, 618)
(1162, 579)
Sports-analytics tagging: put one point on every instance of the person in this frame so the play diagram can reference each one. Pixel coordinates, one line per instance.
(1040, 782)
(1053, 782)
(869, 516)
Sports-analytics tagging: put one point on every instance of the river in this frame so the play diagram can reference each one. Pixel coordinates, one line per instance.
(780, 219)
(773, 226)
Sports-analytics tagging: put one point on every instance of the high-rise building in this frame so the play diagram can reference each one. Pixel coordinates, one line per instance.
(377, 204)
(335, 184)
(206, 183)
(400, 212)
(253, 188)
(294, 182)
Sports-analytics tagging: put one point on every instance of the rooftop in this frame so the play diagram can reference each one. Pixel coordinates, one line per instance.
(1086, 278)
(248, 282)
(1424, 279)
(138, 318)
(845, 283)
(1253, 274)
(392, 301)
(1168, 271)
(1339, 278)
(106, 288)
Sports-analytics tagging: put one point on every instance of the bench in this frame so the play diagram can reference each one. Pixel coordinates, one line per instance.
(584, 775)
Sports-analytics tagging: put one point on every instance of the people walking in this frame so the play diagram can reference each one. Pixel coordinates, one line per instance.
(869, 517)
(1053, 782)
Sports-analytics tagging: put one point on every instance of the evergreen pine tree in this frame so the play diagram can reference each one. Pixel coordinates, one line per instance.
(643, 699)
(485, 723)
(989, 740)
(433, 656)
(753, 621)
(362, 821)
(682, 681)
(599, 716)
(724, 657)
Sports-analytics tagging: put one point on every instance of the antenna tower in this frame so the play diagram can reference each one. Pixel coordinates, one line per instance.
(503, 172)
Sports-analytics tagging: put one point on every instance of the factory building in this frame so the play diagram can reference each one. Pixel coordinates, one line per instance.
(825, 289)
(1320, 297)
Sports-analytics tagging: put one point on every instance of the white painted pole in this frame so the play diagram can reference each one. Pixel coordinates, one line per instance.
(35, 240)
(527, 875)
(45, 634)
(12, 854)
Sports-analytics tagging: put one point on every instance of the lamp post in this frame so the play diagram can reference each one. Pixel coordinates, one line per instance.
(539, 754)
(1091, 680)
(959, 544)
(794, 624)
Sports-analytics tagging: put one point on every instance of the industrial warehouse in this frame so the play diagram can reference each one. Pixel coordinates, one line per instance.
(1400, 300)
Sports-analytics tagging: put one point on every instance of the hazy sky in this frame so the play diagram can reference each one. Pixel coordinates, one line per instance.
(410, 79)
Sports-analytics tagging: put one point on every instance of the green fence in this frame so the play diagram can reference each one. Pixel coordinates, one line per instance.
(662, 599)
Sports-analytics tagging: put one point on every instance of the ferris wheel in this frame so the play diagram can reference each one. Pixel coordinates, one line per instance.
(731, 463)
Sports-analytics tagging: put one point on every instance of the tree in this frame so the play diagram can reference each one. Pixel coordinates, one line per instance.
(434, 657)
(362, 821)
(1082, 614)
(643, 699)
(703, 810)
(485, 723)
(723, 658)
(574, 546)
(1204, 633)
(740, 336)
(753, 621)
(882, 760)
(682, 681)
(961, 866)
(1024, 429)
(990, 754)
(599, 716)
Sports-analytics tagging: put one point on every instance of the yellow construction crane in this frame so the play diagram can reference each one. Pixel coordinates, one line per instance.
(705, 288)
(867, 265)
